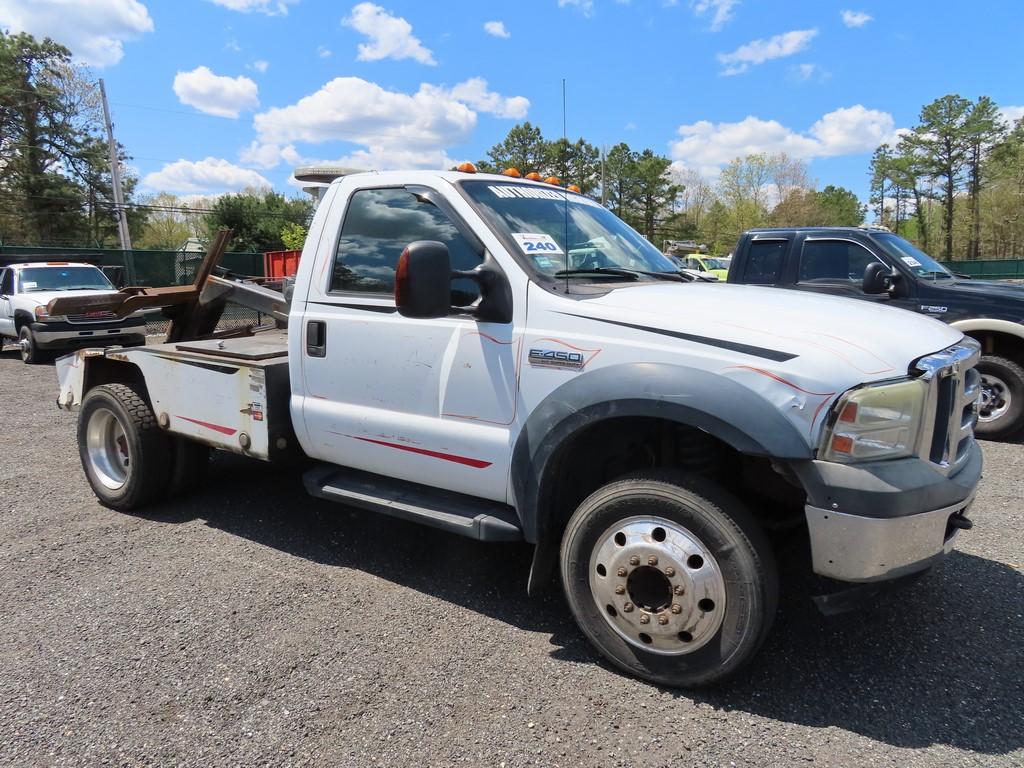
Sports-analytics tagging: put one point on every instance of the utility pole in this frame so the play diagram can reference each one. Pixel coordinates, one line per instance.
(115, 175)
(604, 193)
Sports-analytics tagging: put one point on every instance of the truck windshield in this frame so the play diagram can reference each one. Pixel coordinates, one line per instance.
(916, 260)
(63, 279)
(564, 233)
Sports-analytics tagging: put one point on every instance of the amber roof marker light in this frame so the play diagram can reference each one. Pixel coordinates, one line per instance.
(513, 172)
(534, 176)
(466, 168)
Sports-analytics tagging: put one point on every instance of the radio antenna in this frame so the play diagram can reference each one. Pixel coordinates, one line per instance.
(565, 181)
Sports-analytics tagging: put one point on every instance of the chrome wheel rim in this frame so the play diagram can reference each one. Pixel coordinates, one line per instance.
(995, 398)
(657, 585)
(107, 448)
(25, 346)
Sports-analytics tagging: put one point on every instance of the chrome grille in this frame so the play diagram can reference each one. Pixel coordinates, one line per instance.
(92, 317)
(951, 409)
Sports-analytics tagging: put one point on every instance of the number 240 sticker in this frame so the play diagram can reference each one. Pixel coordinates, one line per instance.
(536, 244)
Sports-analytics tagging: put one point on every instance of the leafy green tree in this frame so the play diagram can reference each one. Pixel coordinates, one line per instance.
(576, 163)
(984, 128)
(839, 207)
(293, 236)
(523, 148)
(257, 218)
(941, 139)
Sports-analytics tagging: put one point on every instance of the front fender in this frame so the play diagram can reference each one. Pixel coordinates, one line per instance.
(710, 402)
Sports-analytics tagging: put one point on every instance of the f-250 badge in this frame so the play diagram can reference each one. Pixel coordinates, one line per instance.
(552, 358)
(933, 309)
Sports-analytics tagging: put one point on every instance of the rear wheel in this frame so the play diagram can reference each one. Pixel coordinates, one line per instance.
(127, 459)
(670, 578)
(1001, 409)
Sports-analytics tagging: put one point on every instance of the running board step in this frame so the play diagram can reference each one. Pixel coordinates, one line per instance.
(454, 512)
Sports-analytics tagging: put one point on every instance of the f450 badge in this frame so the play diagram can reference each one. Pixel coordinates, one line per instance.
(552, 358)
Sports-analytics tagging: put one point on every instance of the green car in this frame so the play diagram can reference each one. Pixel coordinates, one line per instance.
(719, 267)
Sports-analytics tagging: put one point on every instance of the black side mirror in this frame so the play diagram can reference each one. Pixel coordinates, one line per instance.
(877, 278)
(423, 280)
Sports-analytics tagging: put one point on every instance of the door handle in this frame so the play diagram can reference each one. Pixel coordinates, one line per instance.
(316, 338)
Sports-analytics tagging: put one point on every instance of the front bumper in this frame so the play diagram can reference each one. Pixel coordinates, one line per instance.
(61, 334)
(884, 520)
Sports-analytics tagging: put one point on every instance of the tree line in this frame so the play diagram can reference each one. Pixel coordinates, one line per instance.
(954, 184)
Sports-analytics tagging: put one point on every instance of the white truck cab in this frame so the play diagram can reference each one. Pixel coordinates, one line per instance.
(507, 360)
(27, 288)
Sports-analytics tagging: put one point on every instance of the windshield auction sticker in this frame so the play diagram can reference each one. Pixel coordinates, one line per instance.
(531, 192)
(536, 244)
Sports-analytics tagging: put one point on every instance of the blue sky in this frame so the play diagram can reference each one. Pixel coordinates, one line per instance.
(213, 95)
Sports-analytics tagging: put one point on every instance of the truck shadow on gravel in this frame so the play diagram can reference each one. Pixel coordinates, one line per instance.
(938, 663)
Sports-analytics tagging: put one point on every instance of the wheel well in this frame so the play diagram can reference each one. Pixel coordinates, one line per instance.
(21, 317)
(999, 343)
(106, 370)
(601, 452)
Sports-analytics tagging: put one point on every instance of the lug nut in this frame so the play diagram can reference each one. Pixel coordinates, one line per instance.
(663, 620)
(628, 607)
(676, 608)
(620, 590)
(670, 571)
(621, 572)
(680, 589)
(634, 560)
(652, 560)
(645, 619)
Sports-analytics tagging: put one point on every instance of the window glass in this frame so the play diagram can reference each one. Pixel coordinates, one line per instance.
(379, 224)
(832, 260)
(68, 278)
(764, 261)
(6, 282)
(916, 260)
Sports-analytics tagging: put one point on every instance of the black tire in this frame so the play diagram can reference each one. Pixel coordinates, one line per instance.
(724, 527)
(1003, 383)
(30, 353)
(139, 469)
(188, 466)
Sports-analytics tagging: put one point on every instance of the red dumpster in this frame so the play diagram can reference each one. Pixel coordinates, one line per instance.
(280, 264)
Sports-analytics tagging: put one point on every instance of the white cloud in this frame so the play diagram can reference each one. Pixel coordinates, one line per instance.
(323, 51)
(1011, 114)
(210, 176)
(855, 19)
(722, 11)
(268, 7)
(496, 28)
(385, 158)
(706, 146)
(474, 93)
(265, 156)
(390, 36)
(805, 72)
(95, 31)
(260, 65)
(215, 94)
(586, 7)
(759, 51)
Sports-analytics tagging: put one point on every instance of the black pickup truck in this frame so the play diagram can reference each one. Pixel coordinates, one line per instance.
(876, 265)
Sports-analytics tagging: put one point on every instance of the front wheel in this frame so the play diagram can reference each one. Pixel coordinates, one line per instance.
(1001, 409)
(670, 578)
(126, 457)
(30, 352)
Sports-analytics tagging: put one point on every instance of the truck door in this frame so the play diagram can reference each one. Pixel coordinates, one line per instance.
(835, 265)
(7, 302)
(430, 401)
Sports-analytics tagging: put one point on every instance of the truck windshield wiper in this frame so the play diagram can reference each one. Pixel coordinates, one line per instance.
(620, 272)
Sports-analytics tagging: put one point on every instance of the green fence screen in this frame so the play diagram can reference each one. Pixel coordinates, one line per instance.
(145, 267)
(988, 269)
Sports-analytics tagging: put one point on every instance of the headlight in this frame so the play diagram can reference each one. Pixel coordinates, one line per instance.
(42, 313)
(876, 422)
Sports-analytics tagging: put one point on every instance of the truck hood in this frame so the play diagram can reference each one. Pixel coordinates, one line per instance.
(838, 341)
(42, 298)
(992, 288)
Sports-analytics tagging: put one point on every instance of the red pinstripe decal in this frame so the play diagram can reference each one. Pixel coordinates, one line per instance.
(215, 427)
(476, 463)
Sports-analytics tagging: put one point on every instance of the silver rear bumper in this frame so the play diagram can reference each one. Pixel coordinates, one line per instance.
(861, 549)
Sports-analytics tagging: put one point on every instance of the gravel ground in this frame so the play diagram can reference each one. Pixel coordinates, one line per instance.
(251, 625)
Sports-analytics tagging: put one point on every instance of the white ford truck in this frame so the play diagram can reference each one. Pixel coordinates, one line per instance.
(27, 288)
(507, 360)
